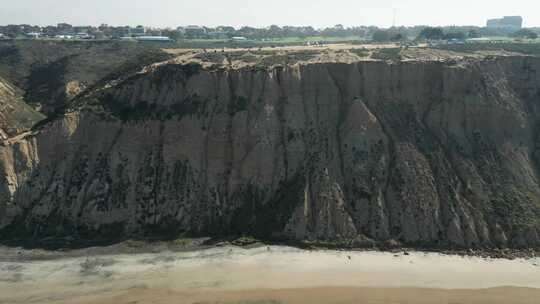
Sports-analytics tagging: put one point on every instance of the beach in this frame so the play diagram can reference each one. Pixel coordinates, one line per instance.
(270, 274)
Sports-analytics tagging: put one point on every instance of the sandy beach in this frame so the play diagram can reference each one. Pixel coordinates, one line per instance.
(272, 274)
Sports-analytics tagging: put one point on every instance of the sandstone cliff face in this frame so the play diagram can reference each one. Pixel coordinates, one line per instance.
(419, 152)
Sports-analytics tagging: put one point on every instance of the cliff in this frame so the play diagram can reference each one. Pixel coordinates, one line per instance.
(422, 152)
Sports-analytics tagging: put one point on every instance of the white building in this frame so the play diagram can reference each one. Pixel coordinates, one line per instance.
(154, 38)
(64, 37)
(83, 36)
(33, 35)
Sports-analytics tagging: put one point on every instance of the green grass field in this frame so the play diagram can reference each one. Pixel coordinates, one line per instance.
(288, 41)
(314, 39)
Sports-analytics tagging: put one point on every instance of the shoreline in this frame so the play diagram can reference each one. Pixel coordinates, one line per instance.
(20, 250)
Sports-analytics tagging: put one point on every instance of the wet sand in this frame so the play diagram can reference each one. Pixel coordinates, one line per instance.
(271, 275)
(324, 295)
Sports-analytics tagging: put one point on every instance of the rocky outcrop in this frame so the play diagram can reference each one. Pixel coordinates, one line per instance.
(423, 153)
(15, 115)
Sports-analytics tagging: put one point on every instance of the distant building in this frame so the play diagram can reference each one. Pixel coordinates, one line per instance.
(479, 39)
(137, 31)
(154, 38)
(33, 35)
(117, 31)
(2, 36)
(64, 28)
(226, 29)
(153, 32)
(64, 37)
(195, 31)
(50, 31)
(486, 40)
(82, 29)
(456, 41)
(217, 35)
(84, 36)
(239, 38)
(507, 22)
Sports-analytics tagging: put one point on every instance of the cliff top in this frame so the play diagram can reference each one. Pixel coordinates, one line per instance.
(339, 53)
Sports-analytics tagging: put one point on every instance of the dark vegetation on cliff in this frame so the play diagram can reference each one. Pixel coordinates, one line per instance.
(45, 70)
(436, 153)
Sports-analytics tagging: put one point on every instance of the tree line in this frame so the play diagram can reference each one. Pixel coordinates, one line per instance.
(278, 32)
(439, 33)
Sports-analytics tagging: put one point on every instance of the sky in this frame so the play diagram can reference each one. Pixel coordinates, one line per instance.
(317, 13)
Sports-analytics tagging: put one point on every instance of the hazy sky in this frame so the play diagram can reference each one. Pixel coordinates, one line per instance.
(317, 13)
